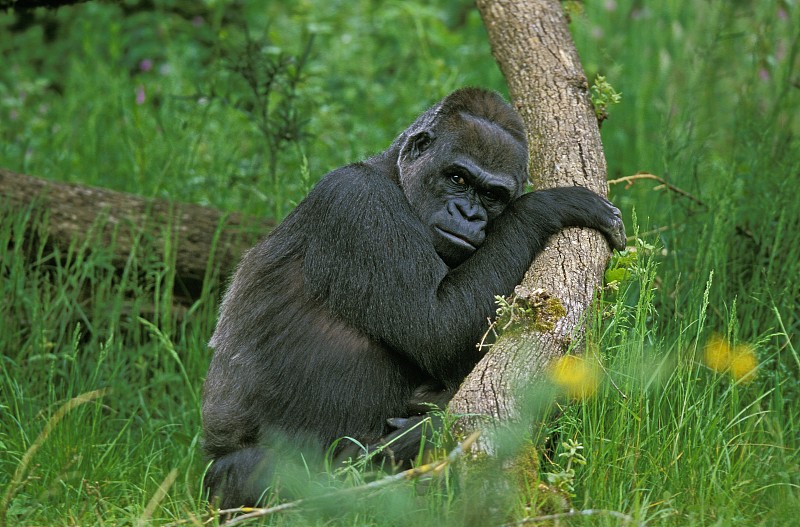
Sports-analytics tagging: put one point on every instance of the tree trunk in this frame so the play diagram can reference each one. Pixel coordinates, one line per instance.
(531, 42)
(126, 223)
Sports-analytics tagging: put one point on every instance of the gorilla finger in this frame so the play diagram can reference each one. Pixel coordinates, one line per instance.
(398, 422)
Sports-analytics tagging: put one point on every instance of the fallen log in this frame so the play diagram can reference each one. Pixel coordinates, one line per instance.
(193, 238)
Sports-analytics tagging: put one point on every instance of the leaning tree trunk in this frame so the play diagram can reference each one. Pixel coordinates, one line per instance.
(531, 42)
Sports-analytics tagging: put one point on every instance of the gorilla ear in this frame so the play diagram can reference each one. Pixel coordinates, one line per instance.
(419, 143)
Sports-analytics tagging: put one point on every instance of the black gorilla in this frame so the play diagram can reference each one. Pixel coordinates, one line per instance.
(373, 292)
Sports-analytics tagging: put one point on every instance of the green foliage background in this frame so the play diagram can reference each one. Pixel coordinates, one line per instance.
(141, 97)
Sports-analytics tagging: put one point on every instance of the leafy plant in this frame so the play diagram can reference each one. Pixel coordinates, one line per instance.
(272, 80)
(564, 478)
(603, 95)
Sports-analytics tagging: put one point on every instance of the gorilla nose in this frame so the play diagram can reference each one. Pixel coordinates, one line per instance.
(467, 210)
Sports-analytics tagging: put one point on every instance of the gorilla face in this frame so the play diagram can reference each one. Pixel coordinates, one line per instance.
(460, 178)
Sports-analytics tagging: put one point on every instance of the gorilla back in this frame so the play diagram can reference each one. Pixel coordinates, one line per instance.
(370, 297)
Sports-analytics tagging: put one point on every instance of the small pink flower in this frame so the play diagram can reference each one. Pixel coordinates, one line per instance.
(763, 74)
(198, 21)
(146, 65)
(780, 50)
(140, 95)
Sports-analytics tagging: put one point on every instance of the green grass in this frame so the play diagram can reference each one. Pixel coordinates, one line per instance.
(709, 103)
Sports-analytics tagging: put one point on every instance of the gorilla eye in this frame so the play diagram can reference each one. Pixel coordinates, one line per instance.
(458, 179)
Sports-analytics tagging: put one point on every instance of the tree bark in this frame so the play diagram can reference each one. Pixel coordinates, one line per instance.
(125, 223)
(531, 42)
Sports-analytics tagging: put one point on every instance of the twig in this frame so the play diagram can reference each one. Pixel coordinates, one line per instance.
(570, 514)
(630, 180)
(742, 231)
(252, 513)
(406, 475)
(657, 230)
(491, 329)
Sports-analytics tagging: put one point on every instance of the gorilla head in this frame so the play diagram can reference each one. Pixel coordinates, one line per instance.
(460, 164)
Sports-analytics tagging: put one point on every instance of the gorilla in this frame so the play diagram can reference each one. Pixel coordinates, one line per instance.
(370, 297)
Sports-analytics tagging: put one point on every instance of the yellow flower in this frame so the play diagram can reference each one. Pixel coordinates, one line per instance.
(575, 376)
(743, 363)
(718, 354)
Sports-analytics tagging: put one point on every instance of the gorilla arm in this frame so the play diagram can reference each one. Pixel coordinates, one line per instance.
(371, 262)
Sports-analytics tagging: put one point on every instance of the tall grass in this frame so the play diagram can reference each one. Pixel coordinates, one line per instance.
(710, 104)
(71, 325)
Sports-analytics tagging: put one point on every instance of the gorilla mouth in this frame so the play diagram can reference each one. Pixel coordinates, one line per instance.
(456, 239)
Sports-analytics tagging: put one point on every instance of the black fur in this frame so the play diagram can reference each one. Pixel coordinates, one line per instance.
(370, 297)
